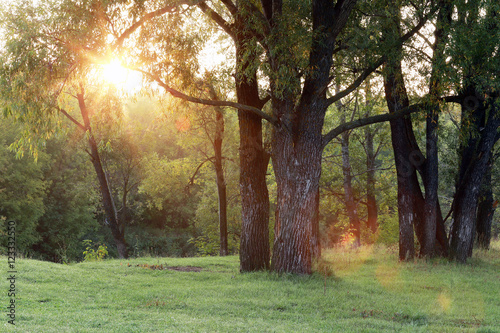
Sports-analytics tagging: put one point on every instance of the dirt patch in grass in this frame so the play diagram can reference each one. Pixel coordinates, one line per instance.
(185, 268)
(172, 268)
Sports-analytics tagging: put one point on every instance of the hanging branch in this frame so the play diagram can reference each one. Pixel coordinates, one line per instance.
(178, 94)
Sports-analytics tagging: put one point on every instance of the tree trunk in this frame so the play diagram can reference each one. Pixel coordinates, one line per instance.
(350, 202)
(112, 221)
(297, 144)
(432, 213)
(221, 182)
(485, 210)
(415, 213)
(371, 200)
(474, 164)
(297, 166)
(397, 98)
(254, 160)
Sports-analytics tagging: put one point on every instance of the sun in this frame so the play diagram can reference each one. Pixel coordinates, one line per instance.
(121, 77)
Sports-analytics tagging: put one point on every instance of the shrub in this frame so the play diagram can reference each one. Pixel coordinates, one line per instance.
(91, 254)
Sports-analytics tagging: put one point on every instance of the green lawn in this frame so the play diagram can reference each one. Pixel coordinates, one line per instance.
(367, 292)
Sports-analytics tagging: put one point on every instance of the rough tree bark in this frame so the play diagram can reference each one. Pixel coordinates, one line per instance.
(298, 142)
(406, 176)
(403, 146)
(412, 206)
(254, 160)
(485, 210)
(475, 156)
(112, 221)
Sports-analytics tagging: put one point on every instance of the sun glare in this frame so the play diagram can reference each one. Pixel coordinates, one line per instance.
(122, 78)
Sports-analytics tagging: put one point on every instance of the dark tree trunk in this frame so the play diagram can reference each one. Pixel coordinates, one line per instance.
(408, 187)
(415, 213)
(112, 220)
(428, 241)
(485, 210)
(474, 164)
(221, 182)
(432, 215)
(371, 200)
(254, 160)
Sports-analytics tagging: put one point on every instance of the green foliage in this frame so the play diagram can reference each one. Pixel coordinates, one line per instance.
(388, 228)
(207, 218)
(70, 203)
(160, 242)
(93, 254)
(22, 189)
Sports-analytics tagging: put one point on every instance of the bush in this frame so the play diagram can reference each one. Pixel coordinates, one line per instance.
(91, 254)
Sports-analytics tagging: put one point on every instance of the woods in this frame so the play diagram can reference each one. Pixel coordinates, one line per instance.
(326, 123)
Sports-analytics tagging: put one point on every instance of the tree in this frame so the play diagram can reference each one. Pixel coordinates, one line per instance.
(298, 110)
(38, 70)
(417, 212)
(215, 134)
(480, 121)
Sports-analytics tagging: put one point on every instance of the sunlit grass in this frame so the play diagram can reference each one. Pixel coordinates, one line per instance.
(367, 291)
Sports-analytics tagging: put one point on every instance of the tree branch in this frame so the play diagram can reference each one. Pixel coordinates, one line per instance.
(230, 6)
(217, 18)
(353, 86)
(379, 118)
(178, 94)
(159, 12)
(80, 125)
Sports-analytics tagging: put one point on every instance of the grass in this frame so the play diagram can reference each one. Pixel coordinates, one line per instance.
(364, 290)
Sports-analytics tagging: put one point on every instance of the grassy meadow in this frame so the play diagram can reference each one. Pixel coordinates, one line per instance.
(363, 290)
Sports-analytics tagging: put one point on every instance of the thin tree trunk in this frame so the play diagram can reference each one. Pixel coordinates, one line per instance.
(219, 174)
(107, 199)
(397, 98)
(431, 182)
(371, 200)
(350, 203)
(221, 182)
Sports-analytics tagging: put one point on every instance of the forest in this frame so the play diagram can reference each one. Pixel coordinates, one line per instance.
(269, 129)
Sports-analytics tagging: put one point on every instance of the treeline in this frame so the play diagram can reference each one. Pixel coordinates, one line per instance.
(150, 158)
(379, 118)
(160, 167)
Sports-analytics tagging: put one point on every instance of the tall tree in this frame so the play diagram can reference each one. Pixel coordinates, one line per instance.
(433, 221)
(480, 115)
